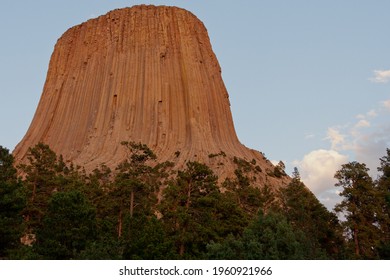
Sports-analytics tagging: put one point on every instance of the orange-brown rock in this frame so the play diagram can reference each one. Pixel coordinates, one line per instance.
(146, 74)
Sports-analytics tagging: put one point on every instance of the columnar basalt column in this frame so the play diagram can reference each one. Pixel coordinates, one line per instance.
(146, 74)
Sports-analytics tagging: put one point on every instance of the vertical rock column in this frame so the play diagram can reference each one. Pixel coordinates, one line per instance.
(145, 74)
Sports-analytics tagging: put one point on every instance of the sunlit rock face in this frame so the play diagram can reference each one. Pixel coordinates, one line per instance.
(145, 74)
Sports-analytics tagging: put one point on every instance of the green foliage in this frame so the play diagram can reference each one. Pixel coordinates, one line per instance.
(141, 211)
(268, 237)
(188, 208)
(296, 175)
(304, 212)
(242, 164)
(103, 248)
(249, 198)
(383, 187)
(41, 180)
(221, 153)
(7, 170)
(279, 170)
(360, 207)
(134, 176)
(68, 226)
(12, 201)
(230, 218)
(140, 153)
(146, 239)
(196, 212)
(137, 182)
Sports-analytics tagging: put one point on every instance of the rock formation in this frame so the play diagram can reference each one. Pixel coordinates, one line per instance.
(146, 74)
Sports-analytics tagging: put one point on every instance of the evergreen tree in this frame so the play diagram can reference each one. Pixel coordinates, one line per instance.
(99, 190)
(229, 217)
(41, 181)
(189, 209)
(360, 208)
(296, 175)
(303, 210)
(67, 227)
(249, 198)
(12, 201)
(279, 170)
(135, 183)
(383, 184)
(269, 236)
(146, 240)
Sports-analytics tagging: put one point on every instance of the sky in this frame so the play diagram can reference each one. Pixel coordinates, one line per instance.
(308, 80)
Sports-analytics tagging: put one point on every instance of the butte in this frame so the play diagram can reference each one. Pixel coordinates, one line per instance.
(146, 74)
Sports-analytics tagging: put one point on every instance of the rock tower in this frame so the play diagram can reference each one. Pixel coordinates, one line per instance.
(145, 74)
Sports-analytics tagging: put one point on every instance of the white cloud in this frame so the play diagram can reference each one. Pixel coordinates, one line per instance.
(318, 167)
(361, 116)
(335, 137)
(386, 104)
(370, 146)
(372, 114)
(363, 123)
(309, 135)
(364, 140)
(330, 198)
(381, 76)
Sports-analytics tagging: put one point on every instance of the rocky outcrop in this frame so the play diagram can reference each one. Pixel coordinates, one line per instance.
(146, 74)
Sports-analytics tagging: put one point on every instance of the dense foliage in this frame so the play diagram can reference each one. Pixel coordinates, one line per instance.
(144, 210)
(365, 206)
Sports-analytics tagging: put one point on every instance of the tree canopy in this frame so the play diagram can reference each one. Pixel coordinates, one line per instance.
(146, 210)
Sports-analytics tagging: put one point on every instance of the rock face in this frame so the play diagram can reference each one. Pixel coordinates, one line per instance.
(146, 74)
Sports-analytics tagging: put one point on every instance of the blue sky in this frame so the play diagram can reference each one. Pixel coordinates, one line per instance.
(309, 81)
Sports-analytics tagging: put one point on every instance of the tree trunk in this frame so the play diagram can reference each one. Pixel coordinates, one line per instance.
(120, 224)
(182, 244)
(182, 249)
(34, 192)
(188, 202)
(356, 240)
(131, 204)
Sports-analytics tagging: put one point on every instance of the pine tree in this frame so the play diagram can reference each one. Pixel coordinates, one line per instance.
(147, 240)
(269, 236)
(296, 175)
(135, 183)
(360, 209)
(12, 201)
(251, 199)
(41, 181)
(383, 184)
(189, 209)
(304, 211)
(67, 227)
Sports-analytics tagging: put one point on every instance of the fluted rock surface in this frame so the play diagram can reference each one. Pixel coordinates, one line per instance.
(146, 74)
